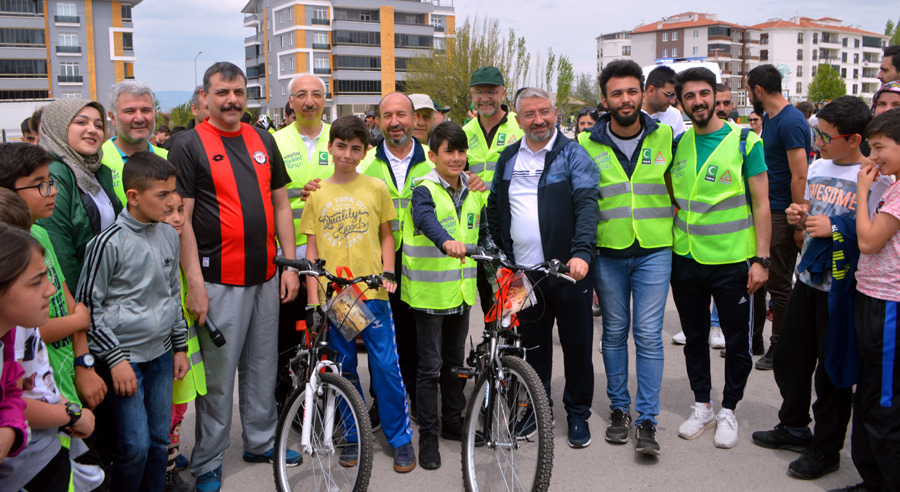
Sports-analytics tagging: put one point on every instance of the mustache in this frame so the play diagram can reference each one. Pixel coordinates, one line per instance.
(396, 127)
(231, 107)
(697, 107)
(309, 108)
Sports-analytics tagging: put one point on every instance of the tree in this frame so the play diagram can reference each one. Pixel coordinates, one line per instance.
(551, 67)
(827, 85)
(564, 85)
(893, 30)
(181, 114)
(445, 75)
(586, 89)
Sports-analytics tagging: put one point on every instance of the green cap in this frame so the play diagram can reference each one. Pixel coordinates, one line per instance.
(487, 76)
(438, 107)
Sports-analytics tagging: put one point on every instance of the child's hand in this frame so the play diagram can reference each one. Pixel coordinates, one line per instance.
(818, 226)
(796, 212)
(389, 282)
(90, 386)
(867, 175)
(180, 365)
(455, 249)
(85, 425)
(82, 315)
(124, 380)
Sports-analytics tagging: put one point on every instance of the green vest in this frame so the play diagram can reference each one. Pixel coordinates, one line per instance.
(639, 208)
(194, 382)
(483, 157)
(431, 279)
(301, 169)
(377, 168)
(714, 223)
(113, 160)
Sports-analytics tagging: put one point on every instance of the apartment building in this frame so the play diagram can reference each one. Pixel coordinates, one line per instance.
(798, 45)
(359, 48)
(613, 46)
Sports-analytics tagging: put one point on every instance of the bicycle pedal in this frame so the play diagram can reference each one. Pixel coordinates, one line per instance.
(462, 372)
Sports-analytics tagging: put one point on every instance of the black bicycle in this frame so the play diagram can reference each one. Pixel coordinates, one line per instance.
(507, 439)
(325, 416)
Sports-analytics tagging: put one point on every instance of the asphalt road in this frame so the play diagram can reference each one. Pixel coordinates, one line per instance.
(683, 465)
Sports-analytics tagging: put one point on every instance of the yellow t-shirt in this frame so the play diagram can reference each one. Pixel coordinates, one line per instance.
(345, 219)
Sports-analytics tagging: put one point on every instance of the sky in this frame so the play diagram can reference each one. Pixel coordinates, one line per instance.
(170, 33)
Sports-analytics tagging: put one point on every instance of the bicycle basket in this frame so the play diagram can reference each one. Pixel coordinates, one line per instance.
(519, 294)
(348, 312)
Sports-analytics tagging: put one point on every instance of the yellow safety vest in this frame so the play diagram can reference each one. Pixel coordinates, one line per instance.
(714, 223)
(194, 382)
(640, 207)
(483, 157)
(431, 279)
(301, 168)
(113, 160)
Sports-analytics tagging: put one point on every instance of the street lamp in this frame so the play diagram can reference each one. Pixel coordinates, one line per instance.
(195, 67)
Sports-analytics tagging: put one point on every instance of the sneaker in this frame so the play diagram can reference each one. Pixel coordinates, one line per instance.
(701, 418)
(373, 416)
(814, 463)
(726, 429)
(765, 362)
(181, 462)
(450, 432)
(404, 458)
(619, 427)
(86, 477)
(579, 433)
(781, 438)
(679, 338)
(758, 347)
(173, 483)
(292, 459)
(600, 346)
(860, 487)
(429, 455)
(645, 438)
(210, 481)
(716, 338)
(349, 455)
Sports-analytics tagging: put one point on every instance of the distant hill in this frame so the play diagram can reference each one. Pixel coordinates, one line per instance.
(170, 99)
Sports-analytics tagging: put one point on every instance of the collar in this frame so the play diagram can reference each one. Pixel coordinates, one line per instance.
(547, 147)
(304, 137)
(126, 221)
(122, 154)
(407, 159)
(418, 153)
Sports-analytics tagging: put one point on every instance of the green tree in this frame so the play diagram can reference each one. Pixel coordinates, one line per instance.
(445, 75)
(892, 29)
(181, 114)
(564, 85)
(586, 89)
(827, 85)
(551, 67)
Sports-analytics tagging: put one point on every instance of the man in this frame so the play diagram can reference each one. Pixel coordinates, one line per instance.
(304, 148)
(200, 112)
(488, 133)
(721, 247)
(786, 138)
(232, 179)
(659, 96)
(634, 237)
(425, 112)
(375, 136)
(543, 206)
(890, 65)
(162, 134)
(440, 113)
(27, 135)
(134, 116)
(289, 115)
(724, 103)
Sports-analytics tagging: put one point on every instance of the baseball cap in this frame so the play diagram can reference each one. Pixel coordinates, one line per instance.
(421, 101)
(438, 107)
(487, 76)
(370, 114)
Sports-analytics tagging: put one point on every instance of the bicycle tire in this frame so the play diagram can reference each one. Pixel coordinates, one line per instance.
(516, 463)
(322, 470)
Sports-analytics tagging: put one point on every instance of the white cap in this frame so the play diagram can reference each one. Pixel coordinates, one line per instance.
(421, 101)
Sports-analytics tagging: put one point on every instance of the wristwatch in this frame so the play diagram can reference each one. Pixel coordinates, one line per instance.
(74, 413)
(86, 360)
(766, 262)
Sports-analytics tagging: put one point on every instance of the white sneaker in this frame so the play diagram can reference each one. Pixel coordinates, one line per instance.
(702, 418)
(600, 346)
(726, 429)
(716, 338)
(679, 339)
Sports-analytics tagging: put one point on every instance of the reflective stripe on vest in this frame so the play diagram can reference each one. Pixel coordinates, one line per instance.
(714, 223)
(483, 157)
(113, 160)
(639, 208)
(194, 382)
(430, 278)
(302, 168)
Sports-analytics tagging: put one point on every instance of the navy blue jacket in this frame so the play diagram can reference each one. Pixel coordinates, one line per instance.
(567, 201)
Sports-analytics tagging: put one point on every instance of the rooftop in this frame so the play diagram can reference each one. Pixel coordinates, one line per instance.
(826, 23)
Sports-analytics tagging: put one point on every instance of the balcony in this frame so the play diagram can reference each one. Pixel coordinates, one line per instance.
(438, 28)
(68, 49)
(70, 78)
(321, 46)
(320, 22)
(322, 71)
(66, 19)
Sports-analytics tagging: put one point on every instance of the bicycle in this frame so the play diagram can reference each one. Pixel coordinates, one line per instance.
(507, 441)
(325, 416)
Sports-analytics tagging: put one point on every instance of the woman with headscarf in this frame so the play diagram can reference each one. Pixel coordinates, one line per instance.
(73, 130)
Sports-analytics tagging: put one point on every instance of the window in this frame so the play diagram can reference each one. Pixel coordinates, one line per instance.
(799, 87)
(815, 54)
(321, 38)
(696, 50)
(763, 55)
(21, 7)
(357, 86)
(855, 89)
(696, 33)
(675, 36)
(68, 39)
(320, 62)
(365, 16)
(764, 38)
(855, 58)
(665, 52)
(126, 12)
(800, 37)
(844, 73)
(844, 56)
(69, 69)
(814, 68)
(66, 9)
(855, 73)
(128, 41)
(23, 68)
(400, 64)
(284, 88)
(815, 38)
(439, 44)
(626, 50)
(358, 37)
(856, 42)
(17, 94)
(72, 94)
(799, 70)
(287, 63)
(665, 36)
(412, 41)
(674, 52)
(799, 54)
(719, 31)
(251, 51)
(844, 42)
(358, 62)
(320, 13)
(22, 37)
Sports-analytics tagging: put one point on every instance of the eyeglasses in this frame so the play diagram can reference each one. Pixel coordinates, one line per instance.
(42, 187)
(670, 95)
(531, 114)
(490, 93)
(826, 138)
(588, 112)
(752, 120)
(303, 94)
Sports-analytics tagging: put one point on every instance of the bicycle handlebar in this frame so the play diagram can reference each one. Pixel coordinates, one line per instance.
(554, 267)
(317, 269)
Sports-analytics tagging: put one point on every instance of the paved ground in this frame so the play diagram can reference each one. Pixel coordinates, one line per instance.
(683, 465)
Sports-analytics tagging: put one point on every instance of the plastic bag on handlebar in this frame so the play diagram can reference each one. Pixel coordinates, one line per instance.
(349, 313)
(519, 291)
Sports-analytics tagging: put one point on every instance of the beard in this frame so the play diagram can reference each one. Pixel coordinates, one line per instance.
(699, 123)
(399, 142)
(626, 121)
(539, 133)
(723, 115)
(758, 107)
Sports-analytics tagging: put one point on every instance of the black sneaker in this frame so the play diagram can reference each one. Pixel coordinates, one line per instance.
(781, 438)
(814, 463)
(758, 347)
(765, 362)
(645, 438)
(860, 487)
(373, 416)
(451, 431)
(174, 483)
(619, 427)
(429, 456)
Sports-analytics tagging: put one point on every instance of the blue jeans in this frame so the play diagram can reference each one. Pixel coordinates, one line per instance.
(646, 280)
(714, 317)
(142, 424)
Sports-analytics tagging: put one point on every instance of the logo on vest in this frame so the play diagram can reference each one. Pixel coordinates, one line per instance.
(474, 143)
(726, 178)
(660, 158)
(645, 156)
(512, 140)
(471, 220)
(501, 139)
(711, 173)
(260, 157)
(323, 158)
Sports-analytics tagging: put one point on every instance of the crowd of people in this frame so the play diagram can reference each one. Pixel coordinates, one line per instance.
(126, 260)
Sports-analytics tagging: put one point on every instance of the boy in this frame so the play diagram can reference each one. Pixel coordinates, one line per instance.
(812, 311)
(347, 223)
(131, 286)
(876, 441)
(441, 289)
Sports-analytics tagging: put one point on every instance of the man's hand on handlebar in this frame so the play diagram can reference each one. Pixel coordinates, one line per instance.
(578, 268)
(455, 249)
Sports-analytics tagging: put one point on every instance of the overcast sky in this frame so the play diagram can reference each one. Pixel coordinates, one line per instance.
(170, 33)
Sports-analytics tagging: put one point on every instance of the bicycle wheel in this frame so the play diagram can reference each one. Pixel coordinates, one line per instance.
(340, 434)
(518, 454)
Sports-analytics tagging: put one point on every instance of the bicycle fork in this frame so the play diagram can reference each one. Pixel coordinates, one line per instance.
(314, 385)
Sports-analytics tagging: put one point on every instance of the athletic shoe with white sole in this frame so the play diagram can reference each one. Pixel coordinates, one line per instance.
(716, 338)
(726, 429)
(679, 339)
(702, 418)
